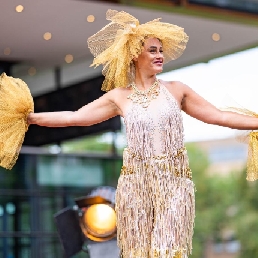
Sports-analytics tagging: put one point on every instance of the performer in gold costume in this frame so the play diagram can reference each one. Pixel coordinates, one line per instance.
(155, 193)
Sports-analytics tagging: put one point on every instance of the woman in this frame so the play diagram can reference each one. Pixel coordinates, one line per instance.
(155, 193)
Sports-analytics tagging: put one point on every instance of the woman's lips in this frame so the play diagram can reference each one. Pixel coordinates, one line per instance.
(158, 63)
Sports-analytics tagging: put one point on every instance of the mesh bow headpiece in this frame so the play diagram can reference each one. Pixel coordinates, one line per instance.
(115, 45)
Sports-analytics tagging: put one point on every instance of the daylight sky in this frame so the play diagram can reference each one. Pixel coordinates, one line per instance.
(227, 81)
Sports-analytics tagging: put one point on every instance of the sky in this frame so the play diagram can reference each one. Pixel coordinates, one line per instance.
(226, 81)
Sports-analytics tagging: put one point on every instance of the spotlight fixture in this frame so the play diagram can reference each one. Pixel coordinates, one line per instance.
(97, 218)
(92, 218)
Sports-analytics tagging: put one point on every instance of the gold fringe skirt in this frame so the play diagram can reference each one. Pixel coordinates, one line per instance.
(155, 206)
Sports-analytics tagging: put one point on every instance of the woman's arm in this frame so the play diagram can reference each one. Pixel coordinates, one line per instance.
(93, 113)
(197, 107)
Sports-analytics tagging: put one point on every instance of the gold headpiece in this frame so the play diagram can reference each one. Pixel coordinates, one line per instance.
(115, 45)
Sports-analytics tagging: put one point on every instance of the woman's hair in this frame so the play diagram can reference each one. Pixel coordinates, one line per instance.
(149, 37)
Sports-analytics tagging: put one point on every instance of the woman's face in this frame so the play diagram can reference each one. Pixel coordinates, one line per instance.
(151, 59)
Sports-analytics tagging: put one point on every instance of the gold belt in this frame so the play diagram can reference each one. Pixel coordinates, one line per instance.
(178, 154)
(160, 162)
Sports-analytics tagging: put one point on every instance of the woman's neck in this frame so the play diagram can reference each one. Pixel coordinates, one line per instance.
(144, 82)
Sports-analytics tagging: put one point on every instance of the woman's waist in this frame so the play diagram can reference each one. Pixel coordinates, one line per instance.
(154, 156)
(175, 163)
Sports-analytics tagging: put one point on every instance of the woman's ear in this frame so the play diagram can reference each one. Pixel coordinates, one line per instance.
(135, 59)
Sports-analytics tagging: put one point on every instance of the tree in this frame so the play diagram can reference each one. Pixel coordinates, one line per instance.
(246, 222)
(214, 196)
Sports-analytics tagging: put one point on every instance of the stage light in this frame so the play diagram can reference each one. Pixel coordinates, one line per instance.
(98, 220)
(92, 218)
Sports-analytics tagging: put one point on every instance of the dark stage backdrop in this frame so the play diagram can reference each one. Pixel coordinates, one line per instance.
(68, 99)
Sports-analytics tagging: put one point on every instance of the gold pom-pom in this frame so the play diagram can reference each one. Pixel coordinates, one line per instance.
(252, 162)
(16, 103)
(252, 140)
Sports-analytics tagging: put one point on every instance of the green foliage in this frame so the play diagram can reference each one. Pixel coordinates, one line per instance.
(92, 143)
(223, 202)
(247, 228)
(199, 163)
(246, 222)
(214, 196)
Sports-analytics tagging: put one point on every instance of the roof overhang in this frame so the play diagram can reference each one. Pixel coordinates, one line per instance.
(66, 20)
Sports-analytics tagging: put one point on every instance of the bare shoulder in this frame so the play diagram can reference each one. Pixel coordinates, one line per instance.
(177, 89)
(118, 93)
(175, 86)
(119, 97)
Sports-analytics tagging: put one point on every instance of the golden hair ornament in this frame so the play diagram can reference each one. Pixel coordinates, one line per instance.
(115, 45)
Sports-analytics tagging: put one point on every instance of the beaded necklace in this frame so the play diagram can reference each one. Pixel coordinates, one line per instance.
(144, 97)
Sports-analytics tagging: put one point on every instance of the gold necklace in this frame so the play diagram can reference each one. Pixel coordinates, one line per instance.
(144, 97)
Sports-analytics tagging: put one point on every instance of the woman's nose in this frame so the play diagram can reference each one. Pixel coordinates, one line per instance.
(159, 54)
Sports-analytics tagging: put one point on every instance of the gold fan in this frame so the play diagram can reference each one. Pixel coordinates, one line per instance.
(252, 139)
(16, 103)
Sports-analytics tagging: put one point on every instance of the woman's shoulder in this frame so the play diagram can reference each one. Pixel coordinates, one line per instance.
(118, 95)
(173, 86)
(119, 91)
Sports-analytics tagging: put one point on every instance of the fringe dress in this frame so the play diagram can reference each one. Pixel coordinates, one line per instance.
(155, 203)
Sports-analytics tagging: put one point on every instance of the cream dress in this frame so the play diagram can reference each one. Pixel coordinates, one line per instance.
(155, 204)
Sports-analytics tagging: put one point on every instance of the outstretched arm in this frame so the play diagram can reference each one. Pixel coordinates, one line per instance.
(199, 108)
(93, 113)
